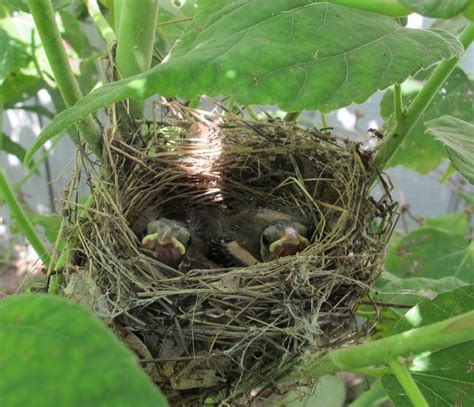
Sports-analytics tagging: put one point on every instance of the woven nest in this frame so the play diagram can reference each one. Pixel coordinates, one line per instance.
(221, 332)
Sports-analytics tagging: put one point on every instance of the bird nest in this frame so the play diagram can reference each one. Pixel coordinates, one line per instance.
(204, 330)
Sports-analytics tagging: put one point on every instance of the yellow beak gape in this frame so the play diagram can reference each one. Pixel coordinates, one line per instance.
(275, 245)
(147, 238)
(173, 240)
(178, 244)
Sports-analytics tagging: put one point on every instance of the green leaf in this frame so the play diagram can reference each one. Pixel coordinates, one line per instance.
(172, 22)
(436, 8)
(390, 8)
(420, 151)
(469, 198)
(444, 377)
(457, 137)
(6, 51)
(54, 352)
(457, 222)
(18, 88)
(40, 110)
(452, 25)
(12, 147)
(71, 31)
(22, 5)
(51, 224)
(295, 54)
(432, 253)
(410, 291)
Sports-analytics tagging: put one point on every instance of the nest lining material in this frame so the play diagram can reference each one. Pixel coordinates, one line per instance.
(224, 331)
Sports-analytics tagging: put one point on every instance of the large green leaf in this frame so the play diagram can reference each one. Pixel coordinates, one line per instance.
(457, 137)
(436, 8)
(420, 151)
(295, 54)
(173, 19)
(432, 253)
(456, 222)
(6, 51)
(445, 377)
(386, 7)
(410, 291)
(53, 352)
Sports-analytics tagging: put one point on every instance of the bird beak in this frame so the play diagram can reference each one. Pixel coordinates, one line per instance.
(156, 237)
(291, 237)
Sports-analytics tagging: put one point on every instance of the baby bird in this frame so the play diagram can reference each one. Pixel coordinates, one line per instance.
(249, 235)
(282, 238)
(168, 240)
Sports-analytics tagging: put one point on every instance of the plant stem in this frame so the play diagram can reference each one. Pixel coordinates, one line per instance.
(431, 337)
(406, 380)
(43, 14)
(404, 127)
(102, 24)
(374, 394)
(324, 120)
(372, 371)
(117, 15)
(397, 95)
(136, 37)
(292, 116)
(23, 222)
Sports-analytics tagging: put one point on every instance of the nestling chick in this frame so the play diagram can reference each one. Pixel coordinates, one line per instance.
(282, 238)
(243, 238)
(168, 240)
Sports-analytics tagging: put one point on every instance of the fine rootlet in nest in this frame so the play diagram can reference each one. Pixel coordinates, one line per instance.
(221, 250)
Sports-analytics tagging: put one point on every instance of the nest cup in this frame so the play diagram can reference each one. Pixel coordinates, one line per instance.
(222, 332)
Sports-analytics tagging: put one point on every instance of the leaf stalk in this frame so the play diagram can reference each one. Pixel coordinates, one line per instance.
(401, 372)
(102, 24)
